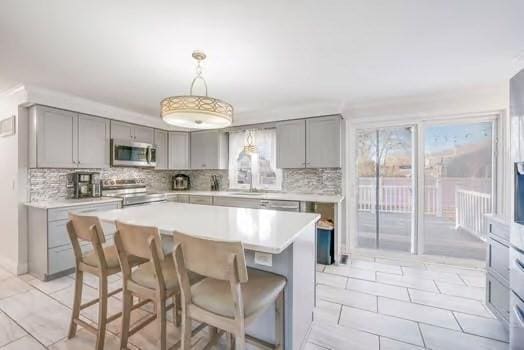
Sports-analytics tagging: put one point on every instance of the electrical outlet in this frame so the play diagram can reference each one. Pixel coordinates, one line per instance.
(265, 259)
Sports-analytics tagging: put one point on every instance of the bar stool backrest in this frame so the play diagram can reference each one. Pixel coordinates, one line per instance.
(87, 228)
(215, 259)
(135, 240)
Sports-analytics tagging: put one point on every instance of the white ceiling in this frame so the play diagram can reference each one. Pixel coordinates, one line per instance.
(268, 58)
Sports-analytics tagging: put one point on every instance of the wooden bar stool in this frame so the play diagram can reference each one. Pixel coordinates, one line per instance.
(154, 281)
(101, 262)
(230, 296)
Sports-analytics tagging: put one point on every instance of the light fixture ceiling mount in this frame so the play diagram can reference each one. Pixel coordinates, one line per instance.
(195, 111)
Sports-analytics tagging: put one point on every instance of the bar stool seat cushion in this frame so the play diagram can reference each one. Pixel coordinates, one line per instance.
(145, 276)
(111, 256)
(260, 291)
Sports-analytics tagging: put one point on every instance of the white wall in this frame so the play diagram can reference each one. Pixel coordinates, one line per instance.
(493, 99)
(13, 248)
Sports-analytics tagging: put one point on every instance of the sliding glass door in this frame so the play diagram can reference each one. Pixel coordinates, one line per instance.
(426, 188)
(458, 178)
(385, 188)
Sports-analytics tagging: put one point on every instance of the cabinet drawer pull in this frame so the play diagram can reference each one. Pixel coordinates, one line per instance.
(519, 315)
(519, 264)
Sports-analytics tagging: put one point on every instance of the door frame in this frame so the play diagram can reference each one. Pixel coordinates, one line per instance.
(499, 175)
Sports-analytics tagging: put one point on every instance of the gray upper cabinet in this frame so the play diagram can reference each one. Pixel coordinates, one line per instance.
(131, 132)
(209, 150)
(162, 150)
(323, 136)
(144, 134)
(53, 135)
(64, 139)
(179, 150)
(310, 143)
(291, 144)
(121, 131)
(93, 142)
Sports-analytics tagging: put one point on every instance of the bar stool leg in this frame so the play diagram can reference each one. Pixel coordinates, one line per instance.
(102, 312)
(176, 308)
(185, 343)
(127, 304)
(231, 341)
(240, 341)
(279, 321)
(161, 314)
(77, 301)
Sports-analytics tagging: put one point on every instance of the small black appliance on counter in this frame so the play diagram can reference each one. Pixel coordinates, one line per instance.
(180, 182)
(83, 185)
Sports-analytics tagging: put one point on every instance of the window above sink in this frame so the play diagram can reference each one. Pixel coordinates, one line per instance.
(256, 169)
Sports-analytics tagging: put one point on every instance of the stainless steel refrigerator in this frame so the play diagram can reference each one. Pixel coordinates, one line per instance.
(516, 263)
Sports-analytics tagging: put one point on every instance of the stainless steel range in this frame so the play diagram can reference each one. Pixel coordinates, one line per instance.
(132, 191)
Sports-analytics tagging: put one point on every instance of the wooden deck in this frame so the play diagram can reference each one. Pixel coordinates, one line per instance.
(441, 237)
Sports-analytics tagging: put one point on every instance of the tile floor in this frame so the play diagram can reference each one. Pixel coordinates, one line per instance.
(379, 301)
(389, 301)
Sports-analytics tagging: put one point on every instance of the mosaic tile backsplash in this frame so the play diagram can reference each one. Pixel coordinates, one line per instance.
(49, 184)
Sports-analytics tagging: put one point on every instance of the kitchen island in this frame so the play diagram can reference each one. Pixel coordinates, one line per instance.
(275, 241)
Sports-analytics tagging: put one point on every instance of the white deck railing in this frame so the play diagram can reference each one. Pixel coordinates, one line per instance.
(471, 208)
(396, 199)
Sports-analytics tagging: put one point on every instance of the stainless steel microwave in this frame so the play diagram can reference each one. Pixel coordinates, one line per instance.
(126, 153)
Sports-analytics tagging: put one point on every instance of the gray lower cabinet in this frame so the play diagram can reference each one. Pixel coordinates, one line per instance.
(132, 132)
(237, 202)
(209, 150)
(206, 200)
(64, 139)
(310, 143)
(50, 251)
(162, 149)
(497, 265)
(179, 154)
(179, 198)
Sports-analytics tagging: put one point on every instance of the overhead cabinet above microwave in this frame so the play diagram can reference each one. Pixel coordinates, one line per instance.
(64, 139)
(131, 132)
(309, 143)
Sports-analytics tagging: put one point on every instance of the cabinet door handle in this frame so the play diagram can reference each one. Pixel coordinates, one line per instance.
(519, 264)
(519, 315)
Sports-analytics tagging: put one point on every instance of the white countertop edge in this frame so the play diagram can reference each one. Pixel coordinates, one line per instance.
(256, 248)
(67, 203)
(302, 197)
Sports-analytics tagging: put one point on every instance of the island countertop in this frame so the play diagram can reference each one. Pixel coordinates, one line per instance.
(262, 230)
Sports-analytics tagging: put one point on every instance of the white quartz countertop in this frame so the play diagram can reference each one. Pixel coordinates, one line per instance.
(262, 230)
(302, 197)
(65, 203)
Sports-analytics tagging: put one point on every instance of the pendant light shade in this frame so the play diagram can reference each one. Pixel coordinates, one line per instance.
(196, 112)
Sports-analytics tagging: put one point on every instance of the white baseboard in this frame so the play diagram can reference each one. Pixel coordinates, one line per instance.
(13, 267)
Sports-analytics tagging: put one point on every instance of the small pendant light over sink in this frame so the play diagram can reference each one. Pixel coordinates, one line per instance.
(194, 111)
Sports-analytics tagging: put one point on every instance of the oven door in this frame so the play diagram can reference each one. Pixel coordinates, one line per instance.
(132, 154)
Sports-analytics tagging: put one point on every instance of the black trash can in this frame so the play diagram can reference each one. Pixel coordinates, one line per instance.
(325, 243)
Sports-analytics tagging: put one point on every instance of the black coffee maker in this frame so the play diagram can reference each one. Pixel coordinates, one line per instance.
(180, 182)
(83, 185)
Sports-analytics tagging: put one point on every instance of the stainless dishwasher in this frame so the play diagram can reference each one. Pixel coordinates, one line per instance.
(280, 205)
